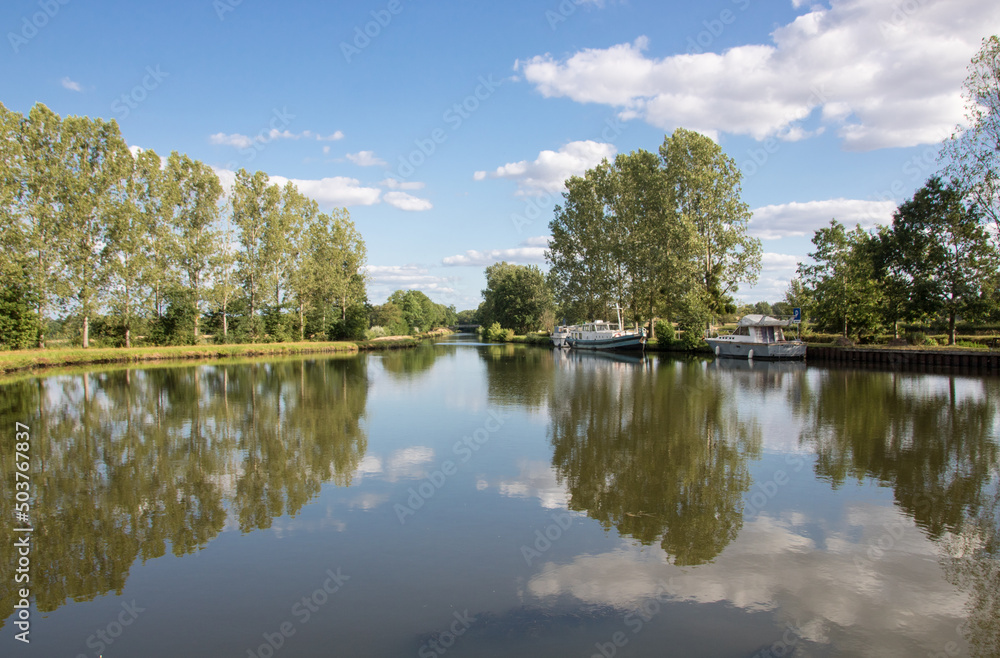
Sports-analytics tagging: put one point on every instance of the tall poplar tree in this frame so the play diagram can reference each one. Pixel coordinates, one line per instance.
(704, 186)
(192, 200)
(96, 158)
(128, 241)
(254, 204)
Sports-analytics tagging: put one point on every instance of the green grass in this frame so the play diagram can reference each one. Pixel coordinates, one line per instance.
(32, 359)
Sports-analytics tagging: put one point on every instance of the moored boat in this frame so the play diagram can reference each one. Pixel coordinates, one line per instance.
(601, 335)
(758, 337)
(560, 334)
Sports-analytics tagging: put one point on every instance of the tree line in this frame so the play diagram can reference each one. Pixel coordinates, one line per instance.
(133, 244)
(939, 260)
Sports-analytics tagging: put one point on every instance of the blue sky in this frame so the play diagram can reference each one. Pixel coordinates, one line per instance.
(446, 128)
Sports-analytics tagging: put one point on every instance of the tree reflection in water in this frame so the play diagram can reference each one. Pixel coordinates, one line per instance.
(656, 450)
(933, 440)
(126, 461)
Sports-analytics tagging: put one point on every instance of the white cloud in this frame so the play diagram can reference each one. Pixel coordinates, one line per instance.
(407, 202)
(238, 140)
(334, 191)
(388, 278)
(365, 159)
(549, 171)
(394, 184)
(72, 85)
(803, 219)
(330, 192)
(530, 252)
(882, 73)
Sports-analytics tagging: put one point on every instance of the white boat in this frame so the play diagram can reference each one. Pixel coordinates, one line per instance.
(601, 335)
(560, 334)
(758, 337)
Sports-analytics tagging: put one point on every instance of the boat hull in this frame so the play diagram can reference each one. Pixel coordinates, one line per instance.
(789, 350)
(630, 342)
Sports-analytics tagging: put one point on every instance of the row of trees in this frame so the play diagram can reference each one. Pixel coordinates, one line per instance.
(92, 230)
(410, 312)
(936, 261)
(662, 235)
(940, 258)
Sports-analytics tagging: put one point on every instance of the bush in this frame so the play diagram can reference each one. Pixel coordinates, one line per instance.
(376, 332)
(919, 338)
(664, 330)
(496, 334)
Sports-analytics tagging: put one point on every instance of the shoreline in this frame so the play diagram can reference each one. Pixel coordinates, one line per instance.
(26, 361)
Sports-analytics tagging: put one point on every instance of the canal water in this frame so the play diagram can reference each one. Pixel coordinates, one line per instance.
(480, 500)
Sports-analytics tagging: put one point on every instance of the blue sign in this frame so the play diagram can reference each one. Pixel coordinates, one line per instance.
(796, 315)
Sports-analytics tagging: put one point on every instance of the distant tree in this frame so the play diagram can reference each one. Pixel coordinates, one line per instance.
(390, 317)
(841, 281)
(516, 296)
(945, 251)
(762, 308)
(467, 317)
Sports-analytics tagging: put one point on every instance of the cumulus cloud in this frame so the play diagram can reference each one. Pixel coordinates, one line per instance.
(529, 252)
(883, 74)
(334, 191)
(388, 278)
(549, 171)
(72, 85)
(238, 140)
(803, 219)
(394, 184)
(407, 202)
(365, 159)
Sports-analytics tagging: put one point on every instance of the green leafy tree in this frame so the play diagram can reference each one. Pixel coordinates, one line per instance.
(841, 281)
(44, 232)
(704, 188)
(254, 204)
(193, 196)
(516, 296)
(974, 149)
(96, 158)
(945, 252)
(129, 243)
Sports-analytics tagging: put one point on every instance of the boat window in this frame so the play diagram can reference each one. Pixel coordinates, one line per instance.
(741, 331)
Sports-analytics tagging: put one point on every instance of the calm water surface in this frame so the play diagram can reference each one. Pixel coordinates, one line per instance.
(470, 500)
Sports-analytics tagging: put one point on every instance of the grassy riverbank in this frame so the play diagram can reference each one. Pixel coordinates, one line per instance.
(23, 360)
